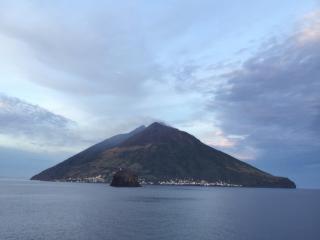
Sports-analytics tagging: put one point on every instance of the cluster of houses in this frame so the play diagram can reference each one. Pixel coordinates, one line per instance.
(190, 182)
(171, 182)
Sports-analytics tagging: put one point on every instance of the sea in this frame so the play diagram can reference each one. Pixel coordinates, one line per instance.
(34, 210)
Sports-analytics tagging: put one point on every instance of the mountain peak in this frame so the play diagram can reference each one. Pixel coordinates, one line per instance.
(157, 124)
(159, 133)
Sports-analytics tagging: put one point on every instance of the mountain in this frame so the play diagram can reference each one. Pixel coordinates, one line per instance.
(161, 154)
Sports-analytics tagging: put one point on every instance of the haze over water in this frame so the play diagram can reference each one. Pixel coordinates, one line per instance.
(48, 210)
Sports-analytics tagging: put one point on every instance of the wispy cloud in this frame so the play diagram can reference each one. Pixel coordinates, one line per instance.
(103, 54)
(24, 124)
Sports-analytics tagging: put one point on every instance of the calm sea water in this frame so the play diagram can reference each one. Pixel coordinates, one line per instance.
(66, 211)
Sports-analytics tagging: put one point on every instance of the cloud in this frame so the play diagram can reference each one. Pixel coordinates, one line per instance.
(112, 49)
(310, 28)
(32, 126)
(94, 53)
(274, 100)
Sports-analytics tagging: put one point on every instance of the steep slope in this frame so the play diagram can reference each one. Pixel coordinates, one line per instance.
(160, 153)
(79, 161)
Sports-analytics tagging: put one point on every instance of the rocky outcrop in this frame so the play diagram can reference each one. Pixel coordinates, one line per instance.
(125, 178)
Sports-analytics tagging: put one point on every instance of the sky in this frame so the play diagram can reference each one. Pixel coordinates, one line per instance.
(242, 76)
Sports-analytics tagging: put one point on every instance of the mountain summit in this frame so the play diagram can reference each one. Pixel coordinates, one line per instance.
(161, 154)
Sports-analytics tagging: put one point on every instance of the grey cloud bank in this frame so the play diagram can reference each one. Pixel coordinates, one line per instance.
(273, 100)
(32, 123)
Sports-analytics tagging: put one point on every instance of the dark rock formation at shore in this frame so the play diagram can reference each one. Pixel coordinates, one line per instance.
(125, 178)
